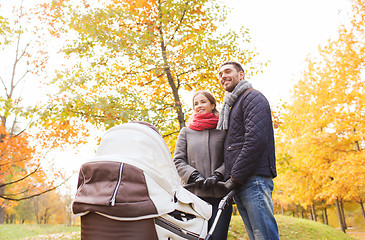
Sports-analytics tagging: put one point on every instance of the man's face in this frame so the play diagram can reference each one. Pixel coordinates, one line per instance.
(229, 77)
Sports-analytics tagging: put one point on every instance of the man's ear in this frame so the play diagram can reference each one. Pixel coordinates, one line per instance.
(242, 75)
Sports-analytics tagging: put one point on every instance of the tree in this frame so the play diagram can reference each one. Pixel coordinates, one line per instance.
(24, 60)
(323, 127)
(136, 59)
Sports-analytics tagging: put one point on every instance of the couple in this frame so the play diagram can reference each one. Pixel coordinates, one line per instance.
(238, 148)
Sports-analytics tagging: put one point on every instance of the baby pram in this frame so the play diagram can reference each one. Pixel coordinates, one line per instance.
(133, 179)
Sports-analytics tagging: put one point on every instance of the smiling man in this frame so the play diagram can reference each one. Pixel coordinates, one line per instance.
(249, 151)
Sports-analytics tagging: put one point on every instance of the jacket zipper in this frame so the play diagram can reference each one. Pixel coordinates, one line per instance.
(112, 200)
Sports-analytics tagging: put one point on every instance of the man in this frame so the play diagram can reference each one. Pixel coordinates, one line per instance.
(249, 151)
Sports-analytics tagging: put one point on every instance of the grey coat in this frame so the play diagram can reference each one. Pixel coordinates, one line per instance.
(201, 151)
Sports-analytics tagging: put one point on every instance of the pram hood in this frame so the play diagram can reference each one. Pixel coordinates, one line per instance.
(140, 146)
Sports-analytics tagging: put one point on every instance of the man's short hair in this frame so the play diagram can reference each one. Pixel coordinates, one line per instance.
(236, 65)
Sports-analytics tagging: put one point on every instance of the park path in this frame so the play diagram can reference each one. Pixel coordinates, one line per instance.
(357, 235)
(57, 236)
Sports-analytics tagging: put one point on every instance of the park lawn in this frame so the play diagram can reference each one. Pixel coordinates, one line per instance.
(292, 229)
(289, 229)
(27, 231)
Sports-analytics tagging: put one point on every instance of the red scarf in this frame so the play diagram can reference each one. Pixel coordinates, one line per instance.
(202, 121)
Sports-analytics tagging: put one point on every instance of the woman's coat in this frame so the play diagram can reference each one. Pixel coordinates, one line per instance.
(201, 151)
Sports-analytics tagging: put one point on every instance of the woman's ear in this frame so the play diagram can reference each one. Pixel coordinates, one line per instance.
(213, 105)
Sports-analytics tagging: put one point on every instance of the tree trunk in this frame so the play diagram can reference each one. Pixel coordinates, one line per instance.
(313, 213)
(325, 216)
(2, 214)
(297, 210)
(180, 113)
(35, 202)
(362, 208)
(282, 209)
(2, 209)
(343, 214)
(322, 216)
(69, 218)
(170, 78)
(235, 211)
(339, 215)
(45, 216)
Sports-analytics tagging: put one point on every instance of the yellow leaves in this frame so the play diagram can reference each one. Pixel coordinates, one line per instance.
(136, 57)
(322, 129)
(57, 134)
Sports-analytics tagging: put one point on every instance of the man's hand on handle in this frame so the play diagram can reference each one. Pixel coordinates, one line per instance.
(231, 184)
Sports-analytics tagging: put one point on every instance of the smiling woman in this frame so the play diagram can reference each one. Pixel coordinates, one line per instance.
(199, 157)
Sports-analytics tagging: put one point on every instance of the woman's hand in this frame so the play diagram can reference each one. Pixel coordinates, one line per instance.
(212, 180)
(197, 178)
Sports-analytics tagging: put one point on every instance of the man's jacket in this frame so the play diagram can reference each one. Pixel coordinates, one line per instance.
(249, 147)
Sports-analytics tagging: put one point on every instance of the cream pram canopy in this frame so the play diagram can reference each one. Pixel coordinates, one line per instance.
(133, 177)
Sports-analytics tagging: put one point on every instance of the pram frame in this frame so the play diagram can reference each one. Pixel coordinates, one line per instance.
(221, 206)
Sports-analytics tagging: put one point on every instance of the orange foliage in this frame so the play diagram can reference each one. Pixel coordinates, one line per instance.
(21, 174)
(15, 153)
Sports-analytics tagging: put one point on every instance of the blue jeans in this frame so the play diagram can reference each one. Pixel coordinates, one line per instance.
(221, 229)
(254, 204)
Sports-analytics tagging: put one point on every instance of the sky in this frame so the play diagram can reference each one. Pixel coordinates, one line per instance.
(285, 32)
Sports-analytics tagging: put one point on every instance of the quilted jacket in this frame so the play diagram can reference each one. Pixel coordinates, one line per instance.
(249, 147)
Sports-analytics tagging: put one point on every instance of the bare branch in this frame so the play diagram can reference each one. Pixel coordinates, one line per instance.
(26, 72)
(13, 127)
(145, 84)
(21, 179)
(190, 71)
(6, 89)
(178, 26)
(34, 195)
(166, 135)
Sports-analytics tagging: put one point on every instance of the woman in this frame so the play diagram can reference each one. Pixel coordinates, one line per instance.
(199, 158)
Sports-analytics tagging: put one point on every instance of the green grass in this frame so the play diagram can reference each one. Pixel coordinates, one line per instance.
(289, 229)
(27, 231)
(292, 229)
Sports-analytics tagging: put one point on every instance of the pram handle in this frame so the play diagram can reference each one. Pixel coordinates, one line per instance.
(219, 184)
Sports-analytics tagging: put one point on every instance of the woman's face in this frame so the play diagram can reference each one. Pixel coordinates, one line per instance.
(202, 104)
